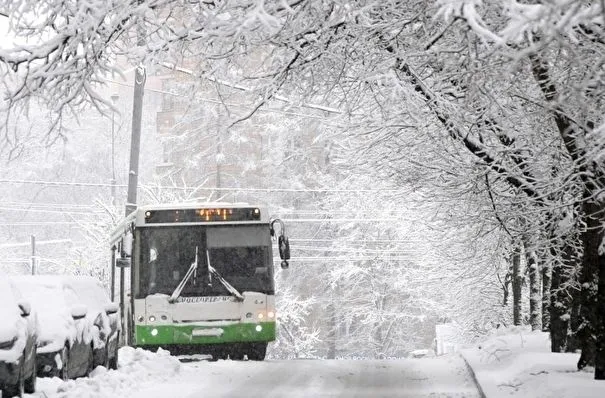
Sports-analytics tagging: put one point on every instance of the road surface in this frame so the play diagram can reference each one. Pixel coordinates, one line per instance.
(431, 377)
(143, 374)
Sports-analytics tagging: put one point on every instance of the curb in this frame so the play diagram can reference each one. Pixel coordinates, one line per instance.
(473, 376)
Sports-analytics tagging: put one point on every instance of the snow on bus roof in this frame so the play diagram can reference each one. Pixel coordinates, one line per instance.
(193, 205)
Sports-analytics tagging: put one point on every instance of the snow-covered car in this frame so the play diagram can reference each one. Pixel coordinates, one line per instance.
(65, 333)
(18, 336)
(104, 315)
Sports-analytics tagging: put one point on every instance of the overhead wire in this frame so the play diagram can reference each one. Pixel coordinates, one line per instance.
(225, 189)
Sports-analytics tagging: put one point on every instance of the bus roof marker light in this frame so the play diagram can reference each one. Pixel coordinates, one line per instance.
(154, 332)
(258, 328)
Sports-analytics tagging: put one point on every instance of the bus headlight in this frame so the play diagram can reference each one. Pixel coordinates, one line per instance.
(271, 314)
(259, 328)
(152, 318)
(154, 332)
(261, 315)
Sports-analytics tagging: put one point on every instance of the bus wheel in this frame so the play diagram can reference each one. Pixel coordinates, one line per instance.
(236, 355)
(257, 351)
(216, 354)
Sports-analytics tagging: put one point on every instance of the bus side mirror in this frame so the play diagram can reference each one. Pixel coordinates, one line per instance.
(122, 262)
(284, 247)
(284, 250)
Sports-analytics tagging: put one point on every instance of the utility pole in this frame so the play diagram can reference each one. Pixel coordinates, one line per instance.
(133, 171)
(114, 99)
(135, 140)
(33, 240)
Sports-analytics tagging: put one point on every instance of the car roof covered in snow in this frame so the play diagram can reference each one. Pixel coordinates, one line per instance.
(89, 289)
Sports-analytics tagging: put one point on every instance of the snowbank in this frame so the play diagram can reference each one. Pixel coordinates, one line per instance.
(516, 362)
(137, 368)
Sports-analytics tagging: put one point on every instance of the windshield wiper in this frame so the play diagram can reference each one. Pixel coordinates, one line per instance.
(222, 280)
(192, 269)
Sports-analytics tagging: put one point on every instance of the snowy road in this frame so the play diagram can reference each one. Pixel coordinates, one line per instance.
(315, 378)
(147, 375)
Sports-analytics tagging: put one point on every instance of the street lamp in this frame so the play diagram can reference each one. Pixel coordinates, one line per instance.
(114, 99)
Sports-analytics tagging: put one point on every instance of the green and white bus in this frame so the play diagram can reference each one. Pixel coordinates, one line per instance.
(198, 278)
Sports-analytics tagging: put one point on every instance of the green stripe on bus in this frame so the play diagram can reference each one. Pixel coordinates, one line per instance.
(183, 334)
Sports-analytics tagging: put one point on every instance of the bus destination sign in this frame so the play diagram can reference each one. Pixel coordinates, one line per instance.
(202, 215)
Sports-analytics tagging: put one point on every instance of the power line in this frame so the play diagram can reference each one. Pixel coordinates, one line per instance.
(231, 104)
(98, 212)
(315, 220)
(345, 258)
(34, 223)
(385, 252)
(225, 189)
(38, 242)
(358, 240)
(51, 205)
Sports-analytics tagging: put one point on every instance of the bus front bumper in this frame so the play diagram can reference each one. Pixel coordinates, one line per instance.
(157, 335)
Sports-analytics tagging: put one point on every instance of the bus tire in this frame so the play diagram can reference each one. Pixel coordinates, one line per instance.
(257, 351)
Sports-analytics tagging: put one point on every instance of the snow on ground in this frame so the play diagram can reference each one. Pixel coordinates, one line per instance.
(137, 369)
(510, 363)
(516, 362)
(427, 377)
(144, 374)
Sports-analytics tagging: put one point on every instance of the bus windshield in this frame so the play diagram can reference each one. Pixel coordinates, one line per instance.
(241, 254)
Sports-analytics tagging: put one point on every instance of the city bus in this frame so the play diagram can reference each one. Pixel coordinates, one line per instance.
(198, 278)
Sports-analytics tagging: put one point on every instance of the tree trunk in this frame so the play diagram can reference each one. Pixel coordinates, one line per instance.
(546, 285)
(592, 299)
(589, 318)
(535, 298)
(600, 308)
(517, 285)
(600, 352)
(559, 310)
(332, 330)
(564, 299)
(573, 343)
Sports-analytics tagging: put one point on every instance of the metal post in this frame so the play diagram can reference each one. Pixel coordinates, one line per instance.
(125, 331)
(33, 260)
(135, 141)
(113, 272)
(114, 99)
